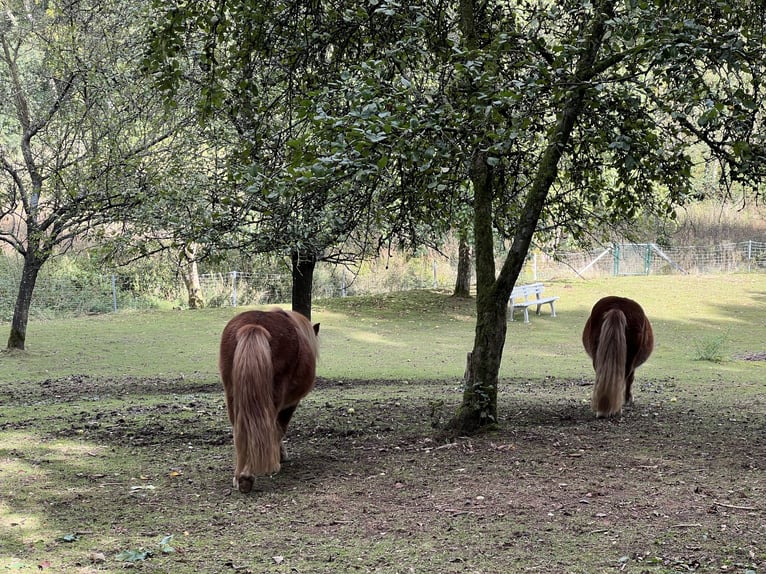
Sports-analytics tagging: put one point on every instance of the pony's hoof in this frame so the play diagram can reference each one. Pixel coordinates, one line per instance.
(244, 484)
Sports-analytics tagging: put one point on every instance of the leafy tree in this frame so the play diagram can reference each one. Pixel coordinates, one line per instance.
(79, 133)
(266, 70)
(540, 116)
(620, 87)
(560, 115)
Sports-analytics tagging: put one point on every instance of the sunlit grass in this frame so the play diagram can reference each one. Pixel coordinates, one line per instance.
(421, 334)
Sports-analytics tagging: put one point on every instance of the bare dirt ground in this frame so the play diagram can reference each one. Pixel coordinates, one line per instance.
(678, 484)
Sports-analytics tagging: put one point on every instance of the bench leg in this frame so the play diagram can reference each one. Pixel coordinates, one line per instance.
(526, 314)
(553, 310)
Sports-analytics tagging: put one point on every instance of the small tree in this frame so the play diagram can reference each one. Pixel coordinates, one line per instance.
(79, 154)
(464, 268)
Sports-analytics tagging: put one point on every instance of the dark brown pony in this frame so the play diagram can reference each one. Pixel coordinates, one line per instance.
(619, 338)
(268, 364)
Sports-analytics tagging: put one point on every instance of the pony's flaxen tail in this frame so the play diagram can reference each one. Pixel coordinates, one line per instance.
(256, 434)
(609, 363)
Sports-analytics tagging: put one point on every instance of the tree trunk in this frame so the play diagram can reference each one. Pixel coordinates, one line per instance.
(18, 336)
(463, 281)
(303, 283)
(190, 275)
(478, 410)
(479, 407)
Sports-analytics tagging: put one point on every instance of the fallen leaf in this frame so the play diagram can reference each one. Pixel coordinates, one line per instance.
(97, 558)
(133, 555)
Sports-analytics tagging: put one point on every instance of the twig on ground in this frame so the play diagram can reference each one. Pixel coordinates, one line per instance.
(736, 507)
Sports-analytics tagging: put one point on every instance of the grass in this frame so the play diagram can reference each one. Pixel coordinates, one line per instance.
(113, 437)
(413, 335)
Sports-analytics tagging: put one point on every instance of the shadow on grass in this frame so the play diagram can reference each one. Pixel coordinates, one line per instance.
(125, 463)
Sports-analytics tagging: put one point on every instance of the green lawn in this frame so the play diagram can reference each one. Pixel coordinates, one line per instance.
(417, 335)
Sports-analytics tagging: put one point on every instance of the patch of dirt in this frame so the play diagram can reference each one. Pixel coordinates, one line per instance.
(756, 356)
(677, 484)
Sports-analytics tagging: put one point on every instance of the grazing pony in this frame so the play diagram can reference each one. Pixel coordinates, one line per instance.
(619, 338)
(268, 364)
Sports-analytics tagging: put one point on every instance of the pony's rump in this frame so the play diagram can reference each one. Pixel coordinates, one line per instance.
(618, 337)
(267, 362)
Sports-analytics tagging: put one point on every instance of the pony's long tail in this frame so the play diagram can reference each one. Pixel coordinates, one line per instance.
(609, 363)
(256, 434)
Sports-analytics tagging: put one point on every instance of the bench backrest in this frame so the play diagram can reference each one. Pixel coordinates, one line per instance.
(525, 291)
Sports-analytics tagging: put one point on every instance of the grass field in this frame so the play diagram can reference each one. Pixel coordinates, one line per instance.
(115, 450)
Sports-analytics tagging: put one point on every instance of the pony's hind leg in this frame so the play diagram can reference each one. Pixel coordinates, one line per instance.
(283, 418)
(244, 483)
(629, 388)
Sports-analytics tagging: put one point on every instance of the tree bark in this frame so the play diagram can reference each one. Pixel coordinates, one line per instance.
(303, 283)
(463, 281)
(18, 336)
(190, 275)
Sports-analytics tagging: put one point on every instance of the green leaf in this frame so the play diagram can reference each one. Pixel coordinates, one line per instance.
(133, 555)
(165, 545)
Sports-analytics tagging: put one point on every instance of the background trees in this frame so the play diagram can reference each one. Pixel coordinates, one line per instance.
(80, 131)
(542, 117)
(311, 175)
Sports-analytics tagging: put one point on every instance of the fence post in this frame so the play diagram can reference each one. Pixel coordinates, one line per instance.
(648, 259)
(436, 283)
(114, 293)
(343, 284)
(233, 288)
(616, 269)
(749, 253)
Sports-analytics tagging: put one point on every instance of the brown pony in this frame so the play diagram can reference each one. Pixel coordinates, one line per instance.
(619, 338)
(268, 364)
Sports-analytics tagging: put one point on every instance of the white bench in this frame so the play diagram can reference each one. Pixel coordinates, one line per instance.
(525, 296)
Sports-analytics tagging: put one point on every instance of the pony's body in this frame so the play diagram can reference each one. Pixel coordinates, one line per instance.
(618, 338)
(268, 364)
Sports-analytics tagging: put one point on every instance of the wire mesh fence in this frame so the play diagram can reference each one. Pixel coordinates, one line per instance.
(649, 259)
(63, 294)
